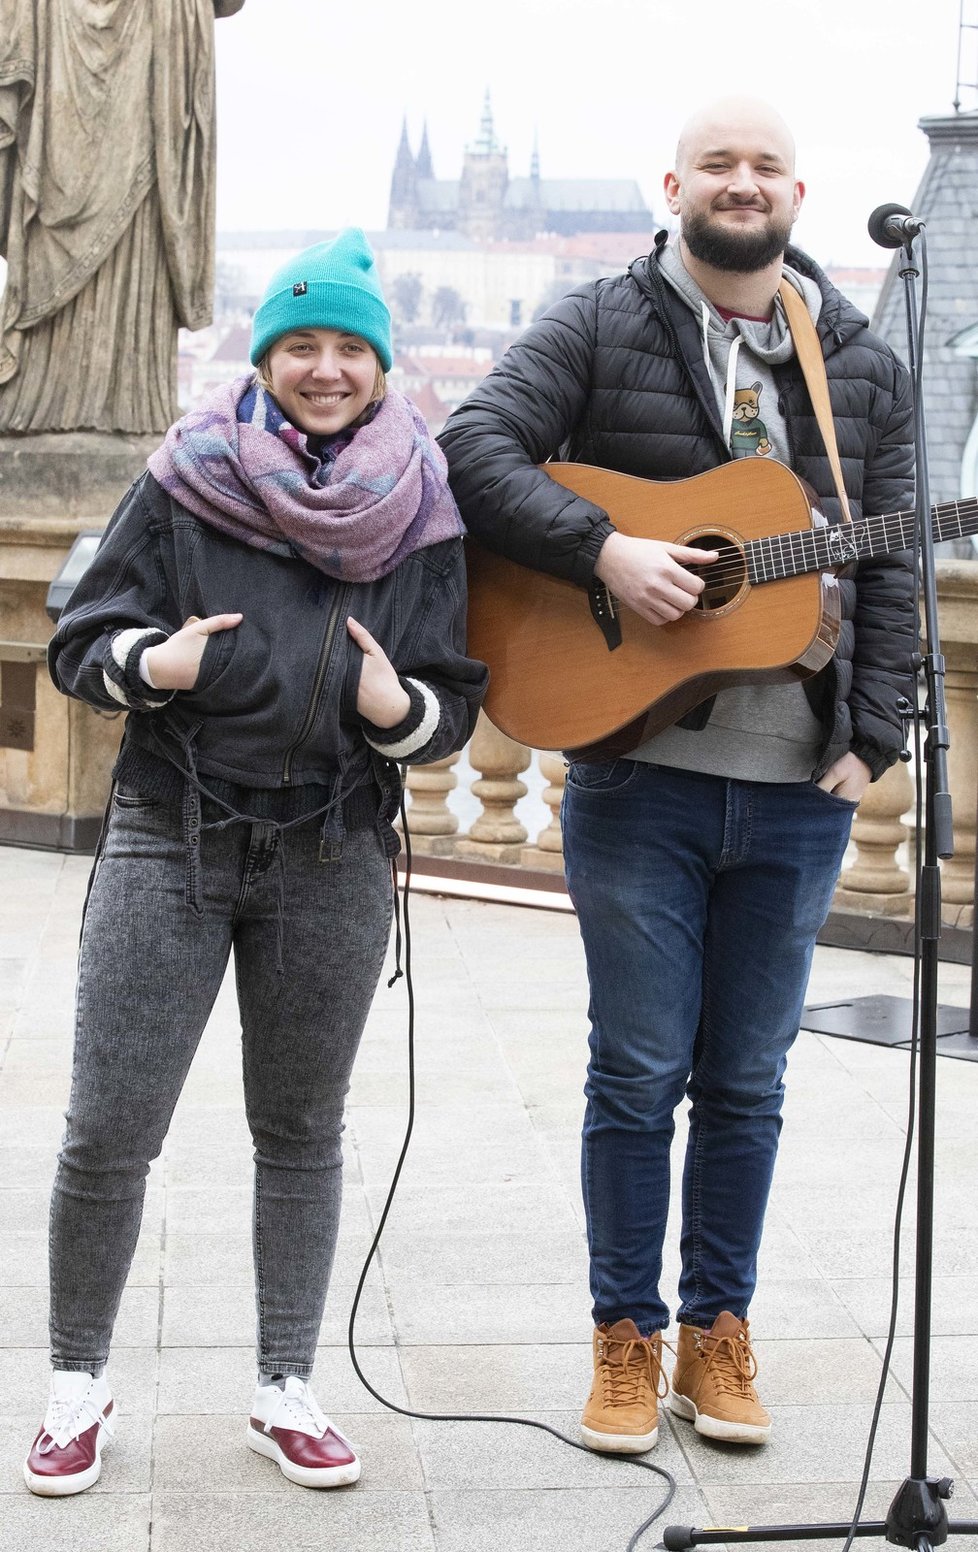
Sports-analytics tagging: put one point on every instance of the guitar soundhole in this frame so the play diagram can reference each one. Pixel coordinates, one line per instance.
(724, 577)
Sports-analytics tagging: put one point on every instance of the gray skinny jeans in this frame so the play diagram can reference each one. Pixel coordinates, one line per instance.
(149, 971)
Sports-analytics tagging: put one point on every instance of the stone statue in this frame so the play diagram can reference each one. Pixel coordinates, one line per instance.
(106, 207)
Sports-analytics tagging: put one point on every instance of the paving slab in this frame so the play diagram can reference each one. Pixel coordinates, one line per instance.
(570, 1519)
(428, 1312)
(485, 1258)
(96, 1522)
(349, 1517)
(824, 1443)
(471, 1455)
(497, 1378)
(954, 1304)
(955, 1425)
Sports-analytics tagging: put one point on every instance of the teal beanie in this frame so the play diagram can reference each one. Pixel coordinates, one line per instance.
(331, 286)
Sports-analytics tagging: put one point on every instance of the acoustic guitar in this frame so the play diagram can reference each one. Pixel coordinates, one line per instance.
(570, 667)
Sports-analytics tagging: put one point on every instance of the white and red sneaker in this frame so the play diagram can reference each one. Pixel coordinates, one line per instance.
(66, 1456)
(287, 1425)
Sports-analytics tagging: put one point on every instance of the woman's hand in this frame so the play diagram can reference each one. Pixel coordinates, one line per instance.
(381, 698)
(175, 664)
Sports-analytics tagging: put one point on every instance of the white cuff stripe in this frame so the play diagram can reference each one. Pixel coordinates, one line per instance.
(114, 690)
(122, 645)
(124, 641)
(422, 734)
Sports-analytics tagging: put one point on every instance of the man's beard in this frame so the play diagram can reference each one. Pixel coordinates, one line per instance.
(740, 252)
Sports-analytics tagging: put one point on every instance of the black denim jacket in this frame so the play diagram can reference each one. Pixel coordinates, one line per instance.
(275, 701)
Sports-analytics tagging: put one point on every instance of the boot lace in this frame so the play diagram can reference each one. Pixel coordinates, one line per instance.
(731, 1362)
(627, 1367)
(69, 1419)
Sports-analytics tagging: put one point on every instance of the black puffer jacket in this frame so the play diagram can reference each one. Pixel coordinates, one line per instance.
(614, 375)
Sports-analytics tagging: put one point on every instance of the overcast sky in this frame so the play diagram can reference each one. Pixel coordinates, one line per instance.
(311, 96)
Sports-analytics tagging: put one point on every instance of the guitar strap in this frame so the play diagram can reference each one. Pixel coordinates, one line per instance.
(809, 351)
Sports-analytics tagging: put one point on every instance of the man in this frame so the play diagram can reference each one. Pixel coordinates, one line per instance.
(703, 864)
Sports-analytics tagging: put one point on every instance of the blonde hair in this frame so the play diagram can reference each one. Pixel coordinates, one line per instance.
(264, 377)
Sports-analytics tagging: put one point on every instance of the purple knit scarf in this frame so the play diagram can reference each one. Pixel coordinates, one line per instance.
(355, 511)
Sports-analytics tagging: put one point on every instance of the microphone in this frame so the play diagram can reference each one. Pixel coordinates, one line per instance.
(893, 226)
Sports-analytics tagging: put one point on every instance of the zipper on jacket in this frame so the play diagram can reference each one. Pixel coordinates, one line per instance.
(317, 687)
(664, 302)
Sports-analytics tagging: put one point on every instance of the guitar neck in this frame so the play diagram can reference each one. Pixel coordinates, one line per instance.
(821, 549)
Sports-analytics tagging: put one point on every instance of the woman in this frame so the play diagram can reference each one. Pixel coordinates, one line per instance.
(279, 602)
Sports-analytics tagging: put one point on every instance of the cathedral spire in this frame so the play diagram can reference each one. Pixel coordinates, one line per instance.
(487, 144)
(402, 209)
(424, 164)
(404, 162)
(535, 158)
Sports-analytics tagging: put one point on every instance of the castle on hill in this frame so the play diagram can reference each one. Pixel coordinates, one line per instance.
(487, 205)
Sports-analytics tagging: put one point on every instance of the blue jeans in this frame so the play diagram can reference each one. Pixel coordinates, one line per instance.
(699, 899)
(149, 971)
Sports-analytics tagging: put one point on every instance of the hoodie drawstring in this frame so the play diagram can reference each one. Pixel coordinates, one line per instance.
(730, 386)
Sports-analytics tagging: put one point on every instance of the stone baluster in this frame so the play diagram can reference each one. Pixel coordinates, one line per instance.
(548, 853)
(957, 593)
(875, 883)
(497, 835)
(430, 820)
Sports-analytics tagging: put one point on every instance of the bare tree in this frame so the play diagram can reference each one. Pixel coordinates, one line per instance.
(447, 307)
(405, 292)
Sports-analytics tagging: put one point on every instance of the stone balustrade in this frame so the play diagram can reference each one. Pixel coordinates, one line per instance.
(55, 754)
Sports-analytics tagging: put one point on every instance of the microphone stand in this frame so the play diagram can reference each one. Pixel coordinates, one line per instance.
(917, 1517)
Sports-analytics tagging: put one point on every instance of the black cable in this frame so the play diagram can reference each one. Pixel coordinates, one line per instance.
(917, 957)
(462, 1417)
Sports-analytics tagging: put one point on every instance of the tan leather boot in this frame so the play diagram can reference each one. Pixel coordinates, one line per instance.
(622, 1411)
(712, 1383)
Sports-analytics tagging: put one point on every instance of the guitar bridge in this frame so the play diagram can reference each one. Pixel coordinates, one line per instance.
(604, 614)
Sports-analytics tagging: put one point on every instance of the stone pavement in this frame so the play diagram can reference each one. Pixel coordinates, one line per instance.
(480, 1300)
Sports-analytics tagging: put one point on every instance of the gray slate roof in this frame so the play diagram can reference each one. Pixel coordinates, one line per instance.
(590, 194)
(576, 194)
(948, 199)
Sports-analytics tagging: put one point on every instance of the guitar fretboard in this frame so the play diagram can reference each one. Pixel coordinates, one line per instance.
(820, 549)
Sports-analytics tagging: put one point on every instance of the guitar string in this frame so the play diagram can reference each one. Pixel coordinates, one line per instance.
(735, 561)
